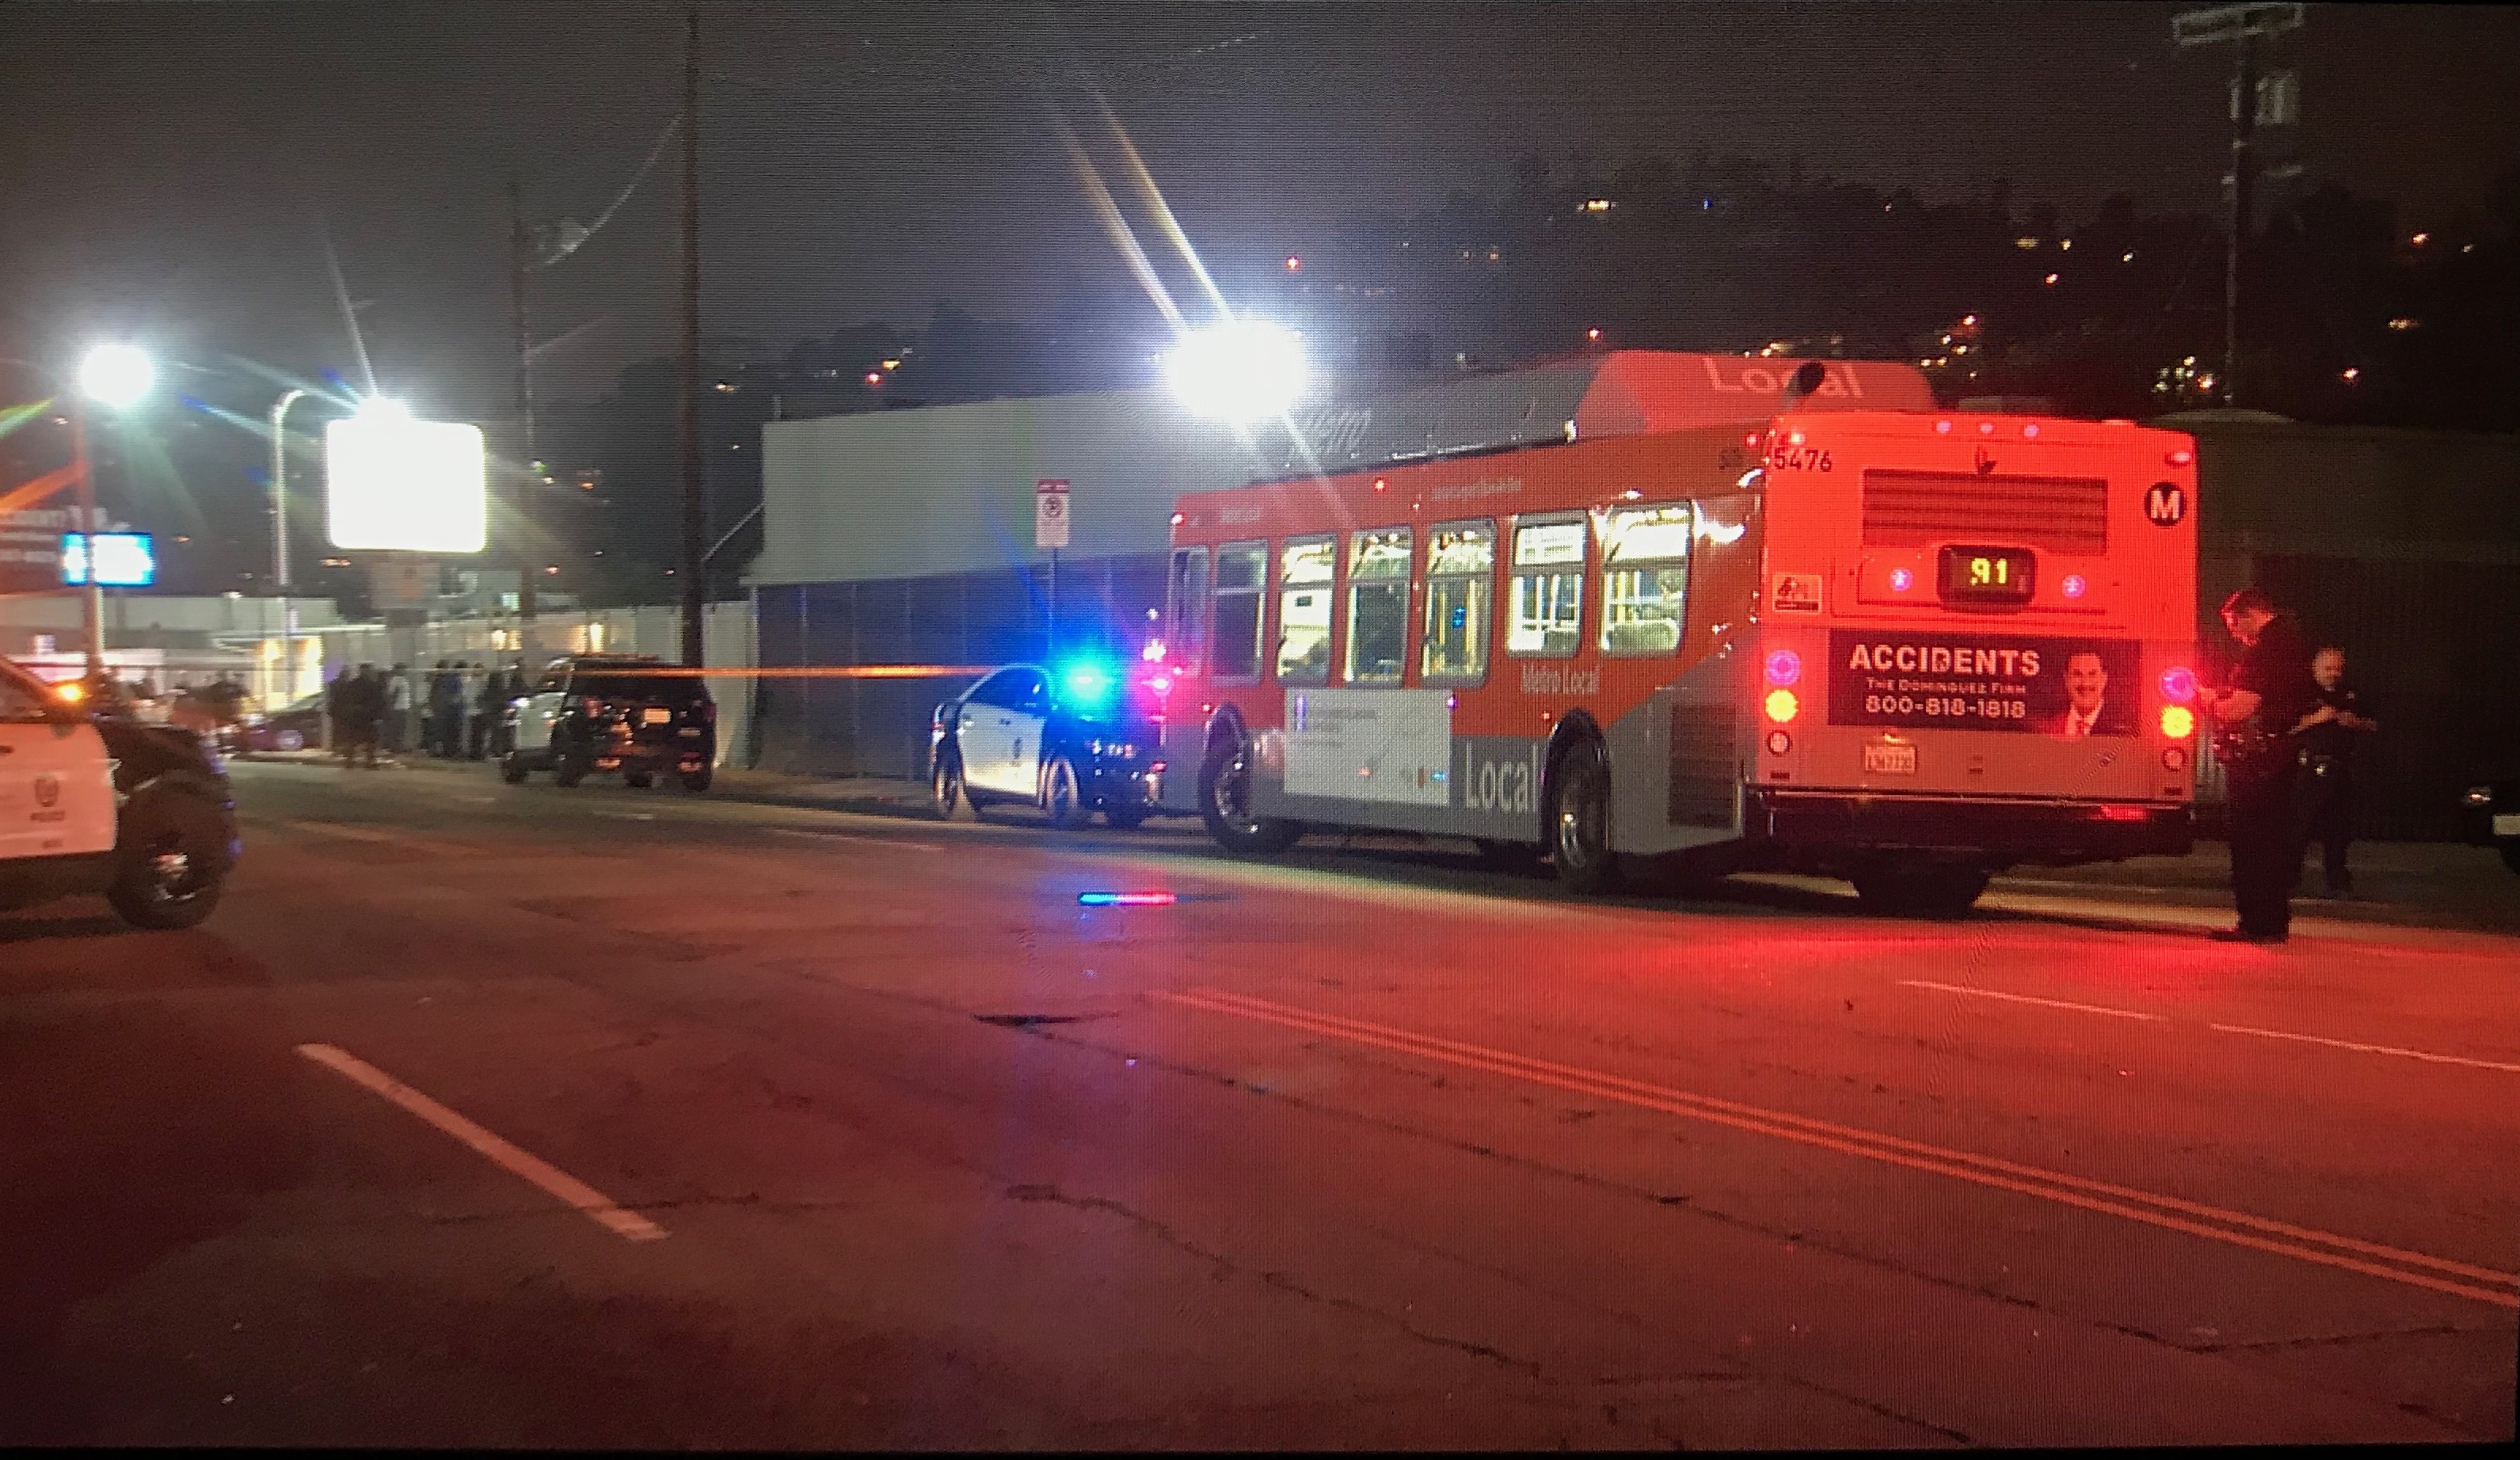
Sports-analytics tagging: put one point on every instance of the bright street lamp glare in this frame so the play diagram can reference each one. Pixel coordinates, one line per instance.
(115, 376)
(1242, 370)
(382, 407)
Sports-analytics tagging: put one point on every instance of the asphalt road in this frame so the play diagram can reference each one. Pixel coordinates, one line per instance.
(495, 1116)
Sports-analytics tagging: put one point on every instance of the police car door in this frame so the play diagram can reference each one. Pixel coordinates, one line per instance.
(541, 709)
(1025, 723)
(56, 782)
(985, 727)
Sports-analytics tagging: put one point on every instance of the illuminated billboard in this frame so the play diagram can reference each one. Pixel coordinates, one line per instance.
(395, 485)
(124, 559)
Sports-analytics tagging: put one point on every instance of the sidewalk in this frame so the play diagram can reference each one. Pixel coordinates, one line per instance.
(2416, 884)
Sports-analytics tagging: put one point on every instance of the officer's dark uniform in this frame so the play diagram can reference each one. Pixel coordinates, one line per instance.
(2266, 858)
(2326, 790)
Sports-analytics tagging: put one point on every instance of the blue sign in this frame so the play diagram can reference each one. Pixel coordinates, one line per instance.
(124, 559)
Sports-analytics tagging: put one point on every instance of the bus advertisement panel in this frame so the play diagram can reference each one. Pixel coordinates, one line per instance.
(1905, 647)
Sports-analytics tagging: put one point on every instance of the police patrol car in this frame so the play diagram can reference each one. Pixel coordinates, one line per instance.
(96, 803)
(634, 714)
(1071, 743)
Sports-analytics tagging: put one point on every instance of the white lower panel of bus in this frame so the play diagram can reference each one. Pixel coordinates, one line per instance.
(1391, 745)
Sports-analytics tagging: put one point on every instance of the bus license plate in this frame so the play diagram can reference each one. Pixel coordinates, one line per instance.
(1889, 760)
(656, 717)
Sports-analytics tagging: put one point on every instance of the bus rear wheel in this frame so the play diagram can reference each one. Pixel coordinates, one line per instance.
(1225, 803)
(1914, 887)
(1579, 820)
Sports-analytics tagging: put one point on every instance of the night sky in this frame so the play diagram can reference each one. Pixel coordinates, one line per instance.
(165, 164)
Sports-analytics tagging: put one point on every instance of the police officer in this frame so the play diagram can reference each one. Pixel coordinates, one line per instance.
(2326, 738)
(2268, 693)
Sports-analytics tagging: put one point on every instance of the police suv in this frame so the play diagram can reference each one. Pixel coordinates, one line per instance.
(634, 714)
(1071, 743)
(101, 803)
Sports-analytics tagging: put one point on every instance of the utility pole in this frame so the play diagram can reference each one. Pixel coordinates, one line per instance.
(695, 592)
(519, 259)
(2238, 24)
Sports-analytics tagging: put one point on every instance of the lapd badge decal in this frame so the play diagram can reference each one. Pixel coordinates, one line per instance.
(47, 790)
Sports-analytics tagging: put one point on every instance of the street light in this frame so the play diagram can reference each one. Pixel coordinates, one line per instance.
(280, 546)
(1239, 371)
(113, 376)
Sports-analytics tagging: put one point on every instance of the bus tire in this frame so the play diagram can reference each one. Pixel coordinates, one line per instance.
(1913, 887)
(1224, 802)
(1579, 820)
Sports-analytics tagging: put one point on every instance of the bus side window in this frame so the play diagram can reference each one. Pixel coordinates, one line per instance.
(1236, 614)
(1644, 578)
(1377, 605)
(1184, 609)
(1461, 582)
(1546, 616)
(1305, 568)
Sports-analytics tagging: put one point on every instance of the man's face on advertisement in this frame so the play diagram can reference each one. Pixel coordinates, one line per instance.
(2087, 679)
(2327, 666)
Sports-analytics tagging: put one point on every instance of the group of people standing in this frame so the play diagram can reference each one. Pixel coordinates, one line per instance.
(2285, 731)
(457, 712)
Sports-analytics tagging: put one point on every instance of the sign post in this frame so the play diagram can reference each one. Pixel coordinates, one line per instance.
(1049, 520)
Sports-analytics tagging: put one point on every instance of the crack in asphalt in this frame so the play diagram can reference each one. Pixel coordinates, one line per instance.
(2336, 1340)
(1163, 1232)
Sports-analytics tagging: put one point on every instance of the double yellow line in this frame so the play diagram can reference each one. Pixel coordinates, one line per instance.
(2196, 1219)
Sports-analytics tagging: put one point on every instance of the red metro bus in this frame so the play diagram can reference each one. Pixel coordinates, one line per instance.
(1802, 622)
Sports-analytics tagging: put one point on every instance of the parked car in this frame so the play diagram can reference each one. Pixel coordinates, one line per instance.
(1071, 743)
(101, 802)
(294, 727)
(2490, 814)
(598, 713)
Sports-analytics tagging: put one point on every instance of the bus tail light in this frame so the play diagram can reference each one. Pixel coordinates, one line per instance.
(2175, 758)
(2075, 585)
(1784, 667)
(2124, 813)
(1901, 580)
(1782, 706)
(2177, 722)
(1778, 742)
(2179, 684)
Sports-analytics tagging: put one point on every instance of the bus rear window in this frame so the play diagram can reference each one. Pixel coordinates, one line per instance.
(1644, 578)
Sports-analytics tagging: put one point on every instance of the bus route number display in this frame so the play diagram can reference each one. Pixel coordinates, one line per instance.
(2070, 687)
(1988, 577)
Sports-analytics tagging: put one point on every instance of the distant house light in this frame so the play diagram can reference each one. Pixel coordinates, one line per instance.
(2350, 374)
(2127, 257)
(2420, 239)
(875, 377)
(1294, 264)
(2402, 322)
(2064, 243)
(2025, 243)
(2049, 281)
(1596, 204)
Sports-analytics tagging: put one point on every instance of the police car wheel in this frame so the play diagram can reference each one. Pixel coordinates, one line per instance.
(569, 769)
(697, 781)
(289, 739)
(1125, 818)
(945, 784)
(638, 780)
(172, 866)
(513, 768)
(1061, 795)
